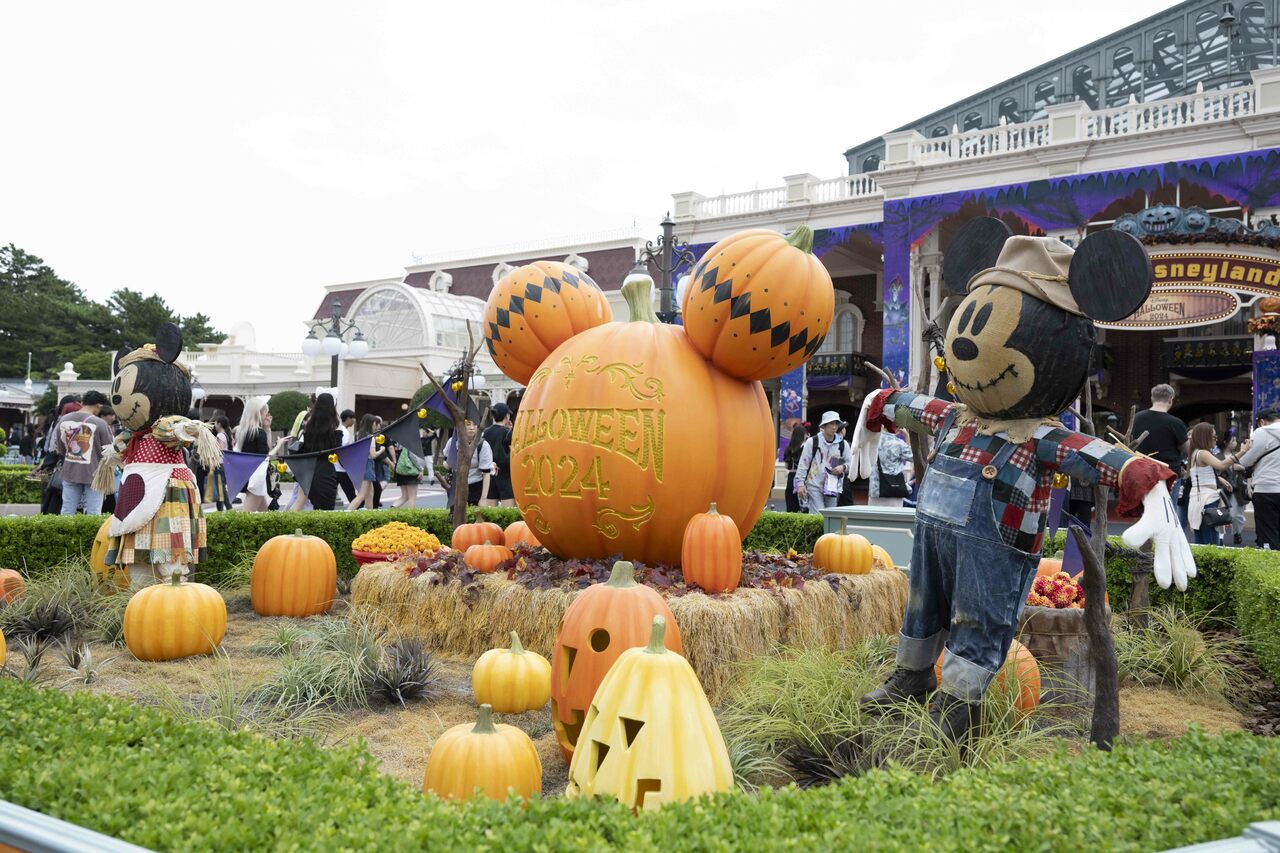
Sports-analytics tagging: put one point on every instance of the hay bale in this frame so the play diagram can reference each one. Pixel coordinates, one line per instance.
(719, 631)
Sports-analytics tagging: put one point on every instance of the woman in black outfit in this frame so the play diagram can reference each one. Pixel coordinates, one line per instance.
(791, 457)
(322, 434)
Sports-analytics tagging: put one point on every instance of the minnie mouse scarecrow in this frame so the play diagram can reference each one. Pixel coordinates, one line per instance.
(1017, 354)
(158, 527)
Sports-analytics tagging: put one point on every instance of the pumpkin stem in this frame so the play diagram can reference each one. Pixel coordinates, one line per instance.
(802, 238)
(623, 575)
(658, 637)
(516, 647)
(637, 290)
(176, 577)
(297, 531)
(712, 511)
(484, 722)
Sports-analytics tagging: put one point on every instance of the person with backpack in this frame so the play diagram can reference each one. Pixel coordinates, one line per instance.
(1262, 462)
(498, 437)
(824, 465)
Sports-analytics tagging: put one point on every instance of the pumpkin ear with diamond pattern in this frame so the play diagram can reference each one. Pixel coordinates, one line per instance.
(759, 304)
(1110, 275)
(974, 249)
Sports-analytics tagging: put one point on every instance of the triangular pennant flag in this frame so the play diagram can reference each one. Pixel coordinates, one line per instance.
(353, 458)
(435, 403)
(1072, 559)
(1057, 500)
(303, 468)
(404, 432)
(238, 468)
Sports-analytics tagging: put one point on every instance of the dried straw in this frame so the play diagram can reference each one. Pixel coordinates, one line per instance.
(718, 631)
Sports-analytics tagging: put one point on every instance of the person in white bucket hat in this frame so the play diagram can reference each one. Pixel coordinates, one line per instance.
(824, 463)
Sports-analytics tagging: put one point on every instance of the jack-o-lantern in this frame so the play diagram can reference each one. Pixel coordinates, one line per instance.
(535, 308)
(626, 432)
(650, 737)
(600, 624)
(759, 304)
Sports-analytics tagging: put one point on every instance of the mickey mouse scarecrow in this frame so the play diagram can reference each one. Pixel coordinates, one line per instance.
(1017, 354)
(158, 526)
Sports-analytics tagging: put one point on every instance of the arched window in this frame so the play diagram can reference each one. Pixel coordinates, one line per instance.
(1083, 86)
(939, 131)
(846, 331)
(1043, 98)
(1210, 59)
(871, 162)
(1009, 111)
(972, 121)
(1126, 78)
(1165, 73)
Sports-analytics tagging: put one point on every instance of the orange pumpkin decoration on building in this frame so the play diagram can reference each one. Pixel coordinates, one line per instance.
(600, 624)
(12, 586)
(626, 432)
(842, 553)
(518, 532)
(759, 304)
(712, 552)
(486, 557)
(1020, 673)
(535, 308)
(478, 533)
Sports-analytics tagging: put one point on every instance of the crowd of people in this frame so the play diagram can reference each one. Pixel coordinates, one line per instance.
(66, 455)
(1218, 476)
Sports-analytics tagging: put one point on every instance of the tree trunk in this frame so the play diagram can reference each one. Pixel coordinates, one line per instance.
(1105, 725)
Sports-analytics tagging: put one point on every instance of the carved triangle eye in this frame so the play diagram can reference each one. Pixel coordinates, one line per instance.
(630, 728)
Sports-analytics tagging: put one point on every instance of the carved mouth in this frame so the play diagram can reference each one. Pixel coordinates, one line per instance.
(983, 386)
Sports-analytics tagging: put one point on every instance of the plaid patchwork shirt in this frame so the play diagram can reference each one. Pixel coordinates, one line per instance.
(1021, 490)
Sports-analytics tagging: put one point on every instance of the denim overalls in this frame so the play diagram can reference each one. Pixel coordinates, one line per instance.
(967, 586)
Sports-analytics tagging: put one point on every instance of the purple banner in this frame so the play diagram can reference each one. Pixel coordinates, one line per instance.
(353, 458)
(1057, 500)
(238, 468)
(303, 468)
(1266, 380)
(791, 398)
(1072, 559)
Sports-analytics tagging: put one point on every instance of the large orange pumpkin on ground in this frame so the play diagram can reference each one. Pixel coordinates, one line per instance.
(168, 621)
(626, 432)
(534, 309)
(600, 624)
(712, 552)
(1020, 675)
(293, 575)
(759, 304)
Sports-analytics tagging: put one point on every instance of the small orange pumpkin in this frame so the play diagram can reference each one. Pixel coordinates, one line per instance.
(535, 308)
(294, 575)
(517, 532)
(1020, 672)
(1049, 566)
(842, 553)
(759, 304)
(880, 558)
(478, 533)
(12, 586)
(711, 555)
(485, 558)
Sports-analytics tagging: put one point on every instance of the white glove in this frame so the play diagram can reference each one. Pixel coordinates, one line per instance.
(865, 444)
(1159, 523)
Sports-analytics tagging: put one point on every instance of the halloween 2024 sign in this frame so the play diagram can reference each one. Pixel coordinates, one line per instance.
(1200, 287)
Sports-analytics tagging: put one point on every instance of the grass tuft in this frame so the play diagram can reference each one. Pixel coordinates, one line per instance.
(1173, 651)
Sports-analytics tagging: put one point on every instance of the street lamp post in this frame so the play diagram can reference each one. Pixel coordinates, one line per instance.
(666, 256)
(332, 344)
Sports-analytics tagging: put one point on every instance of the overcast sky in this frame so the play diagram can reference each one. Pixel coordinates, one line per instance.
(236, 157)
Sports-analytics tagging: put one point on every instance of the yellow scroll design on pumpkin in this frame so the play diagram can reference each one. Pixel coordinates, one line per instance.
(533, 515)
(631, 377)
(540, 374)
(639, 514)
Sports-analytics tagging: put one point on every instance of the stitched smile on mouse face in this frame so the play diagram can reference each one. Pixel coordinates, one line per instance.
(990, 375)
(132, 406)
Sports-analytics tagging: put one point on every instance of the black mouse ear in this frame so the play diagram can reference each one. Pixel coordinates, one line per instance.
(1110, 275)
(973, 250)
(169, 342)
(115, 359)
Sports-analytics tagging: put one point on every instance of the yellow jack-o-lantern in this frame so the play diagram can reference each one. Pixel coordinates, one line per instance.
(650, 737)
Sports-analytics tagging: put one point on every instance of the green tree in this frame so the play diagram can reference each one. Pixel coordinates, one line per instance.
(43, 314)
(285, 407)
(137, 316)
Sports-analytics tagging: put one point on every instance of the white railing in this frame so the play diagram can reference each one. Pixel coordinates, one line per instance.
(1199, 108)
(748, 202)
(984, 142)
(843, 188)
(839, 189)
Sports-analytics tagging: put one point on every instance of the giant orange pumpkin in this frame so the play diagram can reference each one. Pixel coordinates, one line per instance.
(600, 624)
(712, 552)
(626, 432)
(759, 304)
(293, 575)
(535, 308)
(478, 533)
(1019, 673)
(12, 586)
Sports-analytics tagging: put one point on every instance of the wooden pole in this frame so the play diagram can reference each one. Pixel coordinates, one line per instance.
(462, 442)
(1105, 725)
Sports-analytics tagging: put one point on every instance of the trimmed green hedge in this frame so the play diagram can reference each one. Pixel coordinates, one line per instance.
(1256, 589)
(778, 531)
(15, 488)
(38, 541)
(130, 772)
